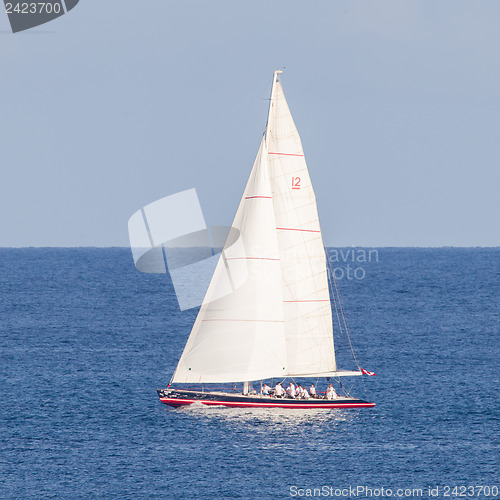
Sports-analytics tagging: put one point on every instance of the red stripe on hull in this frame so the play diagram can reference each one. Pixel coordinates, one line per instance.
(182, 402)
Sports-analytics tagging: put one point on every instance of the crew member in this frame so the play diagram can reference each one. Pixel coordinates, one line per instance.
(312, 391)
(331, 393)
(279, 392)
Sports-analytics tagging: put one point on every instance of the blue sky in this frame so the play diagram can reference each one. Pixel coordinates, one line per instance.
(120, 103)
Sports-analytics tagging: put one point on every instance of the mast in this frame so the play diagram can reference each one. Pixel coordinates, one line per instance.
(275, 81)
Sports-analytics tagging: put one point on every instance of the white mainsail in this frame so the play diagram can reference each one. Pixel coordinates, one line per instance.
(240, 336)
(277, 323)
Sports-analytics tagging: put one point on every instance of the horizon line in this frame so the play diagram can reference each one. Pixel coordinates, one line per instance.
(327, 246)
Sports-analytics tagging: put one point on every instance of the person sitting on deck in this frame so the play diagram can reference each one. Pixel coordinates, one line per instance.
(298, 391)
(265, 390)
(303, 393)
(279, 392)
(312, 391)
(331, 393)
(291, 392)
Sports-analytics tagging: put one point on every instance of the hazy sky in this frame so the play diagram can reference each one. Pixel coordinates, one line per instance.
(121, 102)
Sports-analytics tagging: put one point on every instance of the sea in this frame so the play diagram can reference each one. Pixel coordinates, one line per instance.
(86, 339)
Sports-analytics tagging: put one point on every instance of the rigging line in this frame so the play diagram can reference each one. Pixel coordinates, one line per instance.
(336, 310)
(344, 390)
(345, 323)
(265, 91)
(332, 292)
(351, 387)
(342, 312)
(330, 288)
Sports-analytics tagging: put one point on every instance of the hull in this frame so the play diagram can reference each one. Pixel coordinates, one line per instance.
(177, 398)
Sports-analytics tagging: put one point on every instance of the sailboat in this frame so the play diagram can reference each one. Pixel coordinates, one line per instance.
(267, 313)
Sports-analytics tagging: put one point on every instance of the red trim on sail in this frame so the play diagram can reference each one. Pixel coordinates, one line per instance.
(285, 154)
(250, 258)
(252, 197)
(294, 229)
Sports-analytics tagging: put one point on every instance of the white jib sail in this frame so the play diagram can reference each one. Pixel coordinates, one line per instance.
(306, 299)
(239, 332)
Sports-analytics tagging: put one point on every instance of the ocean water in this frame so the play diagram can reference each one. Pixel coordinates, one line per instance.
(86, 339)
